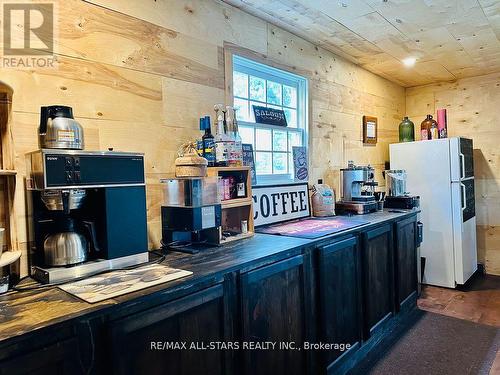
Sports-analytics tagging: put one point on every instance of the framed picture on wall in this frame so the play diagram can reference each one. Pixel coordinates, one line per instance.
(370, 130)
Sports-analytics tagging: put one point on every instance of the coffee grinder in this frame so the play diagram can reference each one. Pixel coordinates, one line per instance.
(191, 214)
(86, 212)
(358, 188)
(396, 194)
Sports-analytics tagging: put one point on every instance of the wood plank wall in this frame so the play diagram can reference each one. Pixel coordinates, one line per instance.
(472, 105)
(140, 73)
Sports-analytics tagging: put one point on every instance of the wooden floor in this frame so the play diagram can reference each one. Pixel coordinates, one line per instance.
(479, 301)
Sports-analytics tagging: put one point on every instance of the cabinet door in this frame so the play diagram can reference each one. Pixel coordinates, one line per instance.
(273, 310)
(58, 359)
(378, 275)
(406, 260)
(151, 342)
(340, 303)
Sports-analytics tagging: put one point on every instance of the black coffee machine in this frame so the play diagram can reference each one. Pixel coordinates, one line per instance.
(86, 212)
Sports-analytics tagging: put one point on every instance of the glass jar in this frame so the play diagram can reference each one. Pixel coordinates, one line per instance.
(425, 128)
(406, 130)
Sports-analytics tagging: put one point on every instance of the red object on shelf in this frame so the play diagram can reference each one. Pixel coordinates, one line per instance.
(442, 123)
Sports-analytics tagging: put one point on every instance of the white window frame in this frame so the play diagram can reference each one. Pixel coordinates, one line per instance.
(257, 69)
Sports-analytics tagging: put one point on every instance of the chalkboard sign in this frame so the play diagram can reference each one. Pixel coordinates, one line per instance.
(269, 116)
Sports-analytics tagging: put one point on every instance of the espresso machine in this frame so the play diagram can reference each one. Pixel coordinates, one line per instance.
(86, 212)
(191, 214)
(358, 188)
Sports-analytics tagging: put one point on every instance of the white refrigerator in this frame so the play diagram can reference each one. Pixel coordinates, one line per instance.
(441, 172)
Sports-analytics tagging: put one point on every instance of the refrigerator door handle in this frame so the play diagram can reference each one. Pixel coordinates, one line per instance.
(464, 197)
(462, 165)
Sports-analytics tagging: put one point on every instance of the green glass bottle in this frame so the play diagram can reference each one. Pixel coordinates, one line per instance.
(406, 130)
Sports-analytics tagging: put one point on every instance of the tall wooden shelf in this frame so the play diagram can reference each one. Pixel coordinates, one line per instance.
(238, 209)
(8, 173)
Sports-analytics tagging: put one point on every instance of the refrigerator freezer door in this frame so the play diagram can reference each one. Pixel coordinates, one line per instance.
(461, 159)
(464, 230)
(428, 169)
(468, 199)
(467, 150)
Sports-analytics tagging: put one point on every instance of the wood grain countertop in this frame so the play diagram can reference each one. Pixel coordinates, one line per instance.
(28, 311)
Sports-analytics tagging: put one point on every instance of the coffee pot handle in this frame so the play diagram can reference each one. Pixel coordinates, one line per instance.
(65, 202)
(44, 116)
(90, 226)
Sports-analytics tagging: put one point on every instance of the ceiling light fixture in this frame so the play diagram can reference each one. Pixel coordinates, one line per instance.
(409, 61)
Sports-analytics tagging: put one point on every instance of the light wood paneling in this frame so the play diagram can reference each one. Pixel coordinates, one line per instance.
(472, 111)
(139, 74)
(106, 36)
(209, 21)
(450, 38)
(94, 90)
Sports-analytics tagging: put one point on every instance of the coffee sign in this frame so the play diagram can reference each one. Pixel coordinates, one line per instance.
(269, 116)
(273, 204)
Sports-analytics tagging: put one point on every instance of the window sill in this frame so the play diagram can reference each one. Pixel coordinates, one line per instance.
(270, 180)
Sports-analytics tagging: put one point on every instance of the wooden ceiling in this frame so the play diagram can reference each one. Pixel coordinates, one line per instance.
(450, 38)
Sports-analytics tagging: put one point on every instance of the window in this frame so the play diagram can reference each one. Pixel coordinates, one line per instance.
(262, 85)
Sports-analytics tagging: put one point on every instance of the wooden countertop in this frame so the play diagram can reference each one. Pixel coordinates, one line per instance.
(23, 312)
(27, 311)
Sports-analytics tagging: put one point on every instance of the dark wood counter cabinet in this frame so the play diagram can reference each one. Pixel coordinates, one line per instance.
(345, 289)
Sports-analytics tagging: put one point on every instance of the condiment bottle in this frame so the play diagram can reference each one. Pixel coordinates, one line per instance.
(433, 129)
(231, 151)
(221, 151)
(207, 141)
(238, 143)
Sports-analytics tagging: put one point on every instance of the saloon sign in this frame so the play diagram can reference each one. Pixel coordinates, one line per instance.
(272, 204)
(270, 116)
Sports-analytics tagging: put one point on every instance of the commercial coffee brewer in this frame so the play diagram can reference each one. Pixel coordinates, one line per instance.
(358, 188)
(86, 212)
